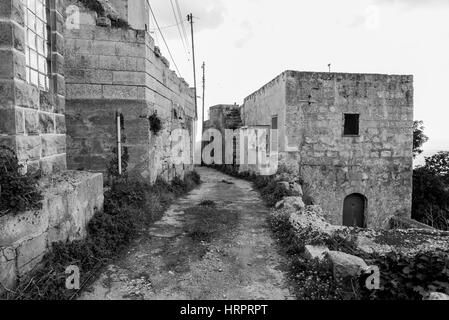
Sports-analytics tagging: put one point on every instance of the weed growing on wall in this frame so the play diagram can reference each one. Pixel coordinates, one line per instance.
(130, 206)
(18, 192)
(96, 6)
(155, 123)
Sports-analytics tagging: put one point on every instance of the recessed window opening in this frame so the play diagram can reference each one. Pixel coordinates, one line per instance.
(351, 124)
(37, 44)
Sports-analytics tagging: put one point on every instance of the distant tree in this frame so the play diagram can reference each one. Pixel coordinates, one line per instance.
(430, 203)
(419, 138)
(438, 164)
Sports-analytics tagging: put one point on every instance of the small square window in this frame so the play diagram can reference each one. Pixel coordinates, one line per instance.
(351, 124)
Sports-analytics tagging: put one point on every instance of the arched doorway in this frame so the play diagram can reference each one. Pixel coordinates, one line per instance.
(354, 211)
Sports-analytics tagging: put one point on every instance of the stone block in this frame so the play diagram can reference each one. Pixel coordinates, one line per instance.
(30, 253)
(7, 65)
(59, 104)
(46, 122)
(315, 252)
(57, 63)
(10, 120)
(57, 42)
(120, 92)
(6, 34)
(31, 121)
(74, 75)
(46, 101)
(53, 144)
(344, 265)
(59, 84)
(129, 78)
(28, 147)
(5, 9)
(56, 206)
(98, 76)
(26, 95)
(57, 22)
(84, 91)
(60, 124)
(18, 38)
(291, 204)
(16, 228)
(53, 164)
(130, 49)
(6, 94)
(118, 63)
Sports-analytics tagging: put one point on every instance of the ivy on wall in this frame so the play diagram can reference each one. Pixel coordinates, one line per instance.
(155, 123)
(18, 192)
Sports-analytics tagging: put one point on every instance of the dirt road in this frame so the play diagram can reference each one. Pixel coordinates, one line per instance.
(198, 252)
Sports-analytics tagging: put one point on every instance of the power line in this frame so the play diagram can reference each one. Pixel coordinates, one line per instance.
(177, 24)
(163, 38)
(171, 26)
(182, 25)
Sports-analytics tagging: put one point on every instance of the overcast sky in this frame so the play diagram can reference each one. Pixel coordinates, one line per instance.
(246, 43)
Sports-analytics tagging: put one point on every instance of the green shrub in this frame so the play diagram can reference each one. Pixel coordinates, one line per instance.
(18, 192)
(409, 278)
(274, 192)
(155, 123)
(311, 280)
(430, 201)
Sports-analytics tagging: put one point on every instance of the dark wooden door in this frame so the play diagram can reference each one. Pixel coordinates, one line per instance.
(354, 211)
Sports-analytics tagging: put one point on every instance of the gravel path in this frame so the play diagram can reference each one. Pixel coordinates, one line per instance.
(186, 255)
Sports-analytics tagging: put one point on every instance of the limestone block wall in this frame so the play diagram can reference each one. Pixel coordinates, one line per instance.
(70, 200)
(270, 100)
(377, 163)
(118, 69)
(32, 120)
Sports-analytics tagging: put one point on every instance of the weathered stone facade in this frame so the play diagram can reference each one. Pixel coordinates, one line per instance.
(221, 118)
(32, 120)
(33, 124)
(119, 69)
(309, 110)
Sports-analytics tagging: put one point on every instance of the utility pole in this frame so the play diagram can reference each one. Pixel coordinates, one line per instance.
(204, 89)
(190, 19)
(203, 66)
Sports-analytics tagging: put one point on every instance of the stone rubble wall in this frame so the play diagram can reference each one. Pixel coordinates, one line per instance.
(70, 201)
(117, 69)
(32, 121)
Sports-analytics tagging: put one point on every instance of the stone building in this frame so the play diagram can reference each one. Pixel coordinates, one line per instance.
(66, 70)
(222, 117)
(33, 124)
(117, 68)
(350, 136)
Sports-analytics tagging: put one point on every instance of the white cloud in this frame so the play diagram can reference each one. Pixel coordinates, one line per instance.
(209, 15)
